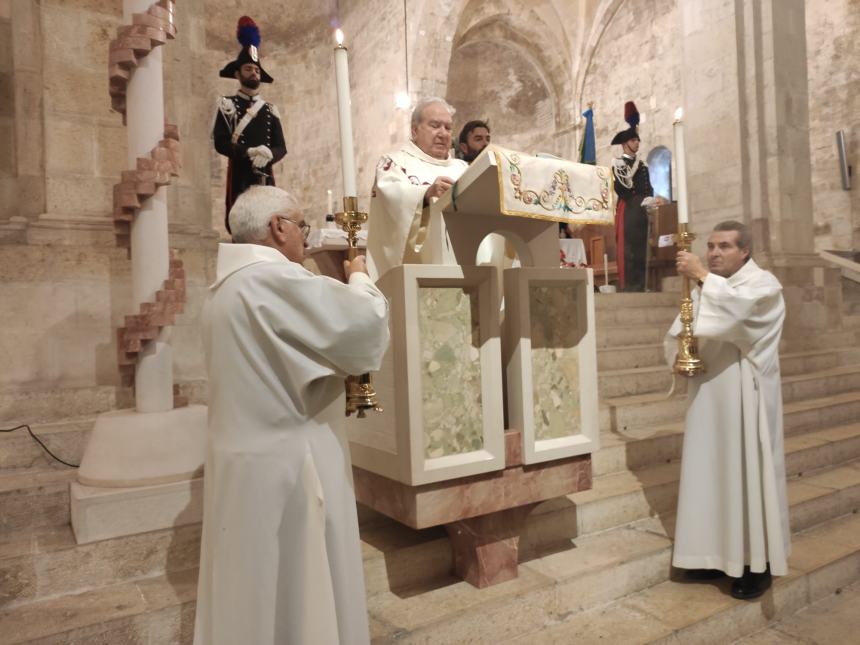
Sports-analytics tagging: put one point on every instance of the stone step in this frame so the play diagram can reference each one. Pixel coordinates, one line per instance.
(630, 356)
(657, 315)
(614, 336)
(607, 301)
(637, 380)
(829, 382)
(832, 619)
(617, 336)
(792, 363)
(37, 563)
(158, 609)
(654, 409)
(67, 439)
(643, 447)
(651, 355)
(554, 600)
(34, 498)
(806, 385)
(411, 595)
(824, 559)
(618, 498)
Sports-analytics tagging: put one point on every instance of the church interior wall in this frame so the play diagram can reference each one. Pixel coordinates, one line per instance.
(833, 48)
(645, 38)
(62, 149)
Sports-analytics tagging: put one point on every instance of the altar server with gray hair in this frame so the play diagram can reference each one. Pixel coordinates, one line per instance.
(280, 558)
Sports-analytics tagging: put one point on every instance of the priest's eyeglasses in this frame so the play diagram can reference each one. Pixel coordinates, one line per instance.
(304, 227)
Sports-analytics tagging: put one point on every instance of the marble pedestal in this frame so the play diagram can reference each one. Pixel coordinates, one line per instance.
(483, 514)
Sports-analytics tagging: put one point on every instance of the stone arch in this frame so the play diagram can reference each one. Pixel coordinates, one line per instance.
(535, 49)
(602, 18)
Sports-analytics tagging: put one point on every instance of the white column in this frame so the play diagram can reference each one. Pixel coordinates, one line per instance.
(150, 255)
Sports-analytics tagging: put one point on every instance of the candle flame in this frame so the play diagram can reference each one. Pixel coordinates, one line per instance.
(338, 36)
(679, 114)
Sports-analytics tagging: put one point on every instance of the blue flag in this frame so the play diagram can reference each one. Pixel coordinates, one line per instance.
(588, 148)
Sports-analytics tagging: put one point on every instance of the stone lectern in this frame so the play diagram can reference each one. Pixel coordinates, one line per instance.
(490, 383)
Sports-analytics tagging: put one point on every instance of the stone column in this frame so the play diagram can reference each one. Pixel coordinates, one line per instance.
(748, 156)
(746, 105)
(150, 255)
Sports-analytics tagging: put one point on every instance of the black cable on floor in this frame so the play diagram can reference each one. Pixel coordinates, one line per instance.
(40, 442)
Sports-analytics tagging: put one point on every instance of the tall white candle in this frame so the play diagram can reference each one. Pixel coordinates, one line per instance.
(605, 269)
(681, 167)
(329, 202)
(344, 117)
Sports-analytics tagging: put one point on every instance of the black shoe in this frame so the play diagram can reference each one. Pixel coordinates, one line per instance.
(703, 574)
(751, 585)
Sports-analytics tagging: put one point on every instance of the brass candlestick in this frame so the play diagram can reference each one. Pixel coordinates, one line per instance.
(687, 362)
(360, 394)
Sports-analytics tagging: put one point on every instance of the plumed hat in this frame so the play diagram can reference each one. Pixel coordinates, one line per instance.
(248, 35)
(631, 115)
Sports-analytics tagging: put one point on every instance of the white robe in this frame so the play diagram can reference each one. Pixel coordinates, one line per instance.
(398, 224)
(732, 506)
(280, 559)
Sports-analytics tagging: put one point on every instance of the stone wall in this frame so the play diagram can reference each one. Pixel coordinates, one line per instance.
(530, 68)
(833, 47)
(636, 59)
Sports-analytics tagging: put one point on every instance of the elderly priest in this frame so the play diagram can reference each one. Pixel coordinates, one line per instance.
(732, 509)
(281, 559)
(406, 183)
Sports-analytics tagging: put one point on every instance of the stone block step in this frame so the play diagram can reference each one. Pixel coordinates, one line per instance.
(67, 439)
(803, 340)
(37, 563)
(792, 363)
(557, 579)
(621, 414)
(34, 498)
(642, 447)
(651, 355)
(153, 610)
(807, 385)
(825, 559)
(828, 382)
(614, 336)
(608, 301)
(653, 316)
(630, 356)
(637, 380)
(628, 496)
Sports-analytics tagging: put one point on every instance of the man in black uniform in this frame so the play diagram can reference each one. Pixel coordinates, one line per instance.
(247, 130)
(633, 186)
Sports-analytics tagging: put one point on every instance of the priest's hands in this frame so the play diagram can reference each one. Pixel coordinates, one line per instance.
(260, 156)
(690, 265)
(438, 188)
(358, 265)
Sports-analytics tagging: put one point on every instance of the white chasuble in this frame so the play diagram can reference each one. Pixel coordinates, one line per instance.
(280, 559)
(399, 225)
(732, 505)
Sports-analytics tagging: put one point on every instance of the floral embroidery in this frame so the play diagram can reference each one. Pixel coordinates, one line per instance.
(559, 196)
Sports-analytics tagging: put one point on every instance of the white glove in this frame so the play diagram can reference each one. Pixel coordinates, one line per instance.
(260, 156)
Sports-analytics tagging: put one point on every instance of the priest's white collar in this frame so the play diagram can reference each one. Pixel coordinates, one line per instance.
(411, 149)
(232, 257)
(747, 271)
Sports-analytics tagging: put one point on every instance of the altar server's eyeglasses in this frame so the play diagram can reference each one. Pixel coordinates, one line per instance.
(304, 227)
